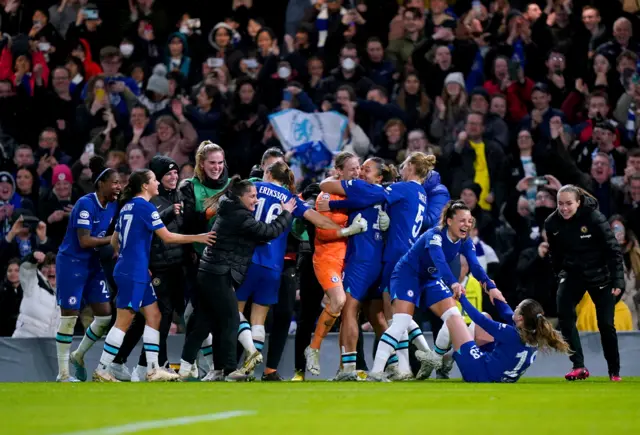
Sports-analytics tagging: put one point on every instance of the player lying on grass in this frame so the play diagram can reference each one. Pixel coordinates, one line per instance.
(490, 351)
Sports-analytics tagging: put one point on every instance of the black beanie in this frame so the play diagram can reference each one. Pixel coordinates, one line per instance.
(474, 187)
(160, 165)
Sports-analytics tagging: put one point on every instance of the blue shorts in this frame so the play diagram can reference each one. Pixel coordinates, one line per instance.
(261, 283)
(385, 277)
(407, 286)
(471, 363)
(80, 281)
(359, 280)
(133, 294)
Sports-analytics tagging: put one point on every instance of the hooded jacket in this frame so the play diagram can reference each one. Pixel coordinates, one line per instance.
(185, 61)
(39, 312)
(238, 233)
(90, 67)
(584, 247)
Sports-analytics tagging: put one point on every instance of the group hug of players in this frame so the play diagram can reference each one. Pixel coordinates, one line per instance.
(370, 252)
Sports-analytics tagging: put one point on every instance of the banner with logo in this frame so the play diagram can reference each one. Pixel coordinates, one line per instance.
(313, 137)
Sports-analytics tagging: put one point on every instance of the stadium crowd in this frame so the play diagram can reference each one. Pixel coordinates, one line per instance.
(515, 99)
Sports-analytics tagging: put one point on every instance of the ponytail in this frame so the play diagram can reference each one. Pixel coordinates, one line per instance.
(537, 330)
(282, 173)
(449, 211)
(99, 173)
(389, 173)
(235, 189)
(422, 163)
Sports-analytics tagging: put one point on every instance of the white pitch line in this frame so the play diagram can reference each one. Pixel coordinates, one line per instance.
(160, 424)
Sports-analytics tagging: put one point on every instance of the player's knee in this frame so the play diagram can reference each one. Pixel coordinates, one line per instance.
(337, 301)
(153, 319)
(450, 313)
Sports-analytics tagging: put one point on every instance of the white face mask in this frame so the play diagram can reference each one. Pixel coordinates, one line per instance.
(126, 49)
(348, 64)
(284, 72)
(185, 29)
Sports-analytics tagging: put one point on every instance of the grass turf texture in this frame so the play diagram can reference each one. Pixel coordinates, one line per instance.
(534, 405)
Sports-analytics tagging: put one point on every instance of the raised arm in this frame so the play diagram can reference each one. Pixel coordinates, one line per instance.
(499, 331)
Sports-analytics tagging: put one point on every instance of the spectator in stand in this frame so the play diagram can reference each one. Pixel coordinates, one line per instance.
(610, 198)
(63, 14)
(537, 122)
(39, 312)
(631, 254)
(379, 69)
(28, 184)
(451, 107)
(27, 235)
(137, 158)
(633, 203)
(88, 26)
(10, 298)
(400, 50)
(57, 202)
(348, 73)
(82, 51)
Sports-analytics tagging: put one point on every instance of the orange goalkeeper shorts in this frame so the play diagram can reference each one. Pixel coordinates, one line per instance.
(328, 273)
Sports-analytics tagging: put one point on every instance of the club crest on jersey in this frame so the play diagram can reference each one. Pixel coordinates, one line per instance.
(84, 214)
(335, 279)
(436, 240)
(155, 215)
(584, 230)
(410, 293)
(156, 282)
(432, 270)
(72, 300)
(326, 196)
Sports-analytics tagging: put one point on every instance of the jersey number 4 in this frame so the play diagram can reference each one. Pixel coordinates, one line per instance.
(272, 213)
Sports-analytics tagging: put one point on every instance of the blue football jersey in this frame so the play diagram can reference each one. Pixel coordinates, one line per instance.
(406, 207)
(270, 195)
(431, 254)
(510, 357)
(368, 246)
(137, 221)
(87, 214)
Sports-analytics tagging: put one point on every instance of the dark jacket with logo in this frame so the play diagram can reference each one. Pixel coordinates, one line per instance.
(584, 247)
(238, 233)
(163, 255)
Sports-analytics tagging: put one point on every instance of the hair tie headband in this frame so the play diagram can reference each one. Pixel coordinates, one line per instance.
(539, 316)
(95, 183)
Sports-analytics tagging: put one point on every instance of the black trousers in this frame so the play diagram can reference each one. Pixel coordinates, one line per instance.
(169, 287)
(215, 312)
(570, 292)
(282, 313)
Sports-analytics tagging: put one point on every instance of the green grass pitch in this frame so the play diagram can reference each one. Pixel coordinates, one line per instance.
(534, 405)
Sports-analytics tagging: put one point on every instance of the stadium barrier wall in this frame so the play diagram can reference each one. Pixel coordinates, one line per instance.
(34, 359)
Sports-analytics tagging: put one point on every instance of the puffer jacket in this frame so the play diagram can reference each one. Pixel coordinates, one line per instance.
(238, 233)
(39, 312)
(584, 247)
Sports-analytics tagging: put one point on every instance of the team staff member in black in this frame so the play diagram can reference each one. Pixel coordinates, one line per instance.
(165, 265)
(222, 269)
(585, 257)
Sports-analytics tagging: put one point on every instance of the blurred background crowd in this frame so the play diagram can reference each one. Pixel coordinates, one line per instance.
(514, 98)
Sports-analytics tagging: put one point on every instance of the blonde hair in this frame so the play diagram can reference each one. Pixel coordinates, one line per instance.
(204, 149)
(422, 163)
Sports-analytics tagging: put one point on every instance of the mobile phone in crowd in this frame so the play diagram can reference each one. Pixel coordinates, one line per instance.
(91, 14)
(539, 181)
(215, 62)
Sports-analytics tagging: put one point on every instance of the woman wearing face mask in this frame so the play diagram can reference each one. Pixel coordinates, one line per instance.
(631, 255)
(222, 269)
(586, 257)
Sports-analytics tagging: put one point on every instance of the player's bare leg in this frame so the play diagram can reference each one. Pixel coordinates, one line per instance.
(327, 319)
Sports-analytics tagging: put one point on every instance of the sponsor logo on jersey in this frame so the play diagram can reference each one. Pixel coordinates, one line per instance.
(84, 214)
(155, 215)
(436, 240)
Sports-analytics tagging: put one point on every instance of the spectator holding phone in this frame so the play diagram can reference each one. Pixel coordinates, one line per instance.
(27, 235)
(88, 26)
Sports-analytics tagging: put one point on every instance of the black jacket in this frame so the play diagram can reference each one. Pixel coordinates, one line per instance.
(584, 246)
(164, 256)
(238, 233)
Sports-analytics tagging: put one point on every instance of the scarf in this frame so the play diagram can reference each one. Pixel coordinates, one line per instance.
(322, 24)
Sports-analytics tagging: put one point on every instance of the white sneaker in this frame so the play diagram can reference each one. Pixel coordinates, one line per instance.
(313, 360)
(236, 376)
(188, 372)
(214, 376)
(251, 362)
(160, 374)
(121, 372)
(66, 378)
(78, 364)
(103, 375)
(429, 361)
(377, 377)
(400, 376)
(139, 374)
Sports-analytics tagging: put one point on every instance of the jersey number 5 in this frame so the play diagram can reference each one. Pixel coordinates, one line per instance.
(415, 232)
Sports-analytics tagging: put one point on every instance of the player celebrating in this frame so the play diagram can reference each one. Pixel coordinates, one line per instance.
(263, 276)
(423, 277)
(489, 351)
(137, 222)
(80, 276)
(328, 260)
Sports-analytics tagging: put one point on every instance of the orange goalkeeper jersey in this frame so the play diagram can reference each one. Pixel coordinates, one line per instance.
(328, 247)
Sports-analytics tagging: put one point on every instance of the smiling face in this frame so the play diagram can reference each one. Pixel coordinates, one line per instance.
(136, 159)
(567, 204)
(24, 181)
(6, 190)
(250, 198)
(460, 224)
(152, 184)
(111, 187)
(213, 165)
(170, 180)
(13, 273)
(369, 172)
(601, 169)
(350, 170)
